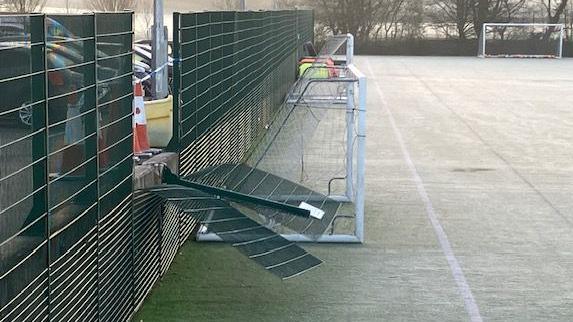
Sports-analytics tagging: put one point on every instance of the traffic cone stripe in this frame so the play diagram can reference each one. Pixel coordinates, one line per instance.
(140, 139)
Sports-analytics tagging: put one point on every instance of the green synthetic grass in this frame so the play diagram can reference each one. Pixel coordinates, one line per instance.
(209, 281)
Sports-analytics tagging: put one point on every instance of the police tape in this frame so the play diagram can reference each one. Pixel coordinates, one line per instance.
(148, 76)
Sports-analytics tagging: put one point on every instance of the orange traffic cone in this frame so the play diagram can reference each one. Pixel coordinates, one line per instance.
(140, 139)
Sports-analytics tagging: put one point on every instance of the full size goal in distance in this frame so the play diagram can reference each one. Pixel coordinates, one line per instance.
(521, 40)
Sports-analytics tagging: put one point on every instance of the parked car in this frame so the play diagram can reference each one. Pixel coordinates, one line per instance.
(61, 57)
(142, 58)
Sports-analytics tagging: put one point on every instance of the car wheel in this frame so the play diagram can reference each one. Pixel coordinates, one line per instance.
(25, 114)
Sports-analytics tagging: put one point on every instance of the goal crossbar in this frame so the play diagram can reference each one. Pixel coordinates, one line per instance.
(559, 29)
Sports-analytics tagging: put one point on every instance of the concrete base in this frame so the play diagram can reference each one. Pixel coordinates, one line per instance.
(148, 174)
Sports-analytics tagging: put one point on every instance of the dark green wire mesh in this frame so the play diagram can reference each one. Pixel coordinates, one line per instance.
(231, 223)
(75, 243)
(66, 176)
(234, 71)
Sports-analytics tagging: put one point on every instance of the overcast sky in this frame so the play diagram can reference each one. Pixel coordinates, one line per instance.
(170, 5)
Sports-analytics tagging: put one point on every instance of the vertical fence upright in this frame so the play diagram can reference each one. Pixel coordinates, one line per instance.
(114, 38)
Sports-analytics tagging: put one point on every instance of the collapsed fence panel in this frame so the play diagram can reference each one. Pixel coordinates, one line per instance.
(301, 149)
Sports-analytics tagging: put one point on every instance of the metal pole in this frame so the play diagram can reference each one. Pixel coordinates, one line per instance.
(350, 123)
(561, 41)
(483, 39)
(159, 53)
(349, 49)
(47, 162)
(295, 238)
(350, 142)
(98, 206)
(243, 5)
(361, 162)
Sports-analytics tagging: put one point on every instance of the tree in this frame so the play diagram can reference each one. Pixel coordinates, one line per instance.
(230, 5)
(362, 18)
(388, 14)
(411, 19)
(443, 13)
(485, 11)
(285, 4)
(111, 5)
(554, 9)
(24, 5)
(145, 15)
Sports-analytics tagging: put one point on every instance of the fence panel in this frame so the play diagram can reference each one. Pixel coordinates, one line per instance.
(23, 162)
(114, 37)
(75, 242)
(234, 72)
(72, 167)
(66, 168)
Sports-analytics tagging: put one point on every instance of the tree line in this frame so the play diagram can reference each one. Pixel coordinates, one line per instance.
(37, 5)
(372, 20)
(375, 20)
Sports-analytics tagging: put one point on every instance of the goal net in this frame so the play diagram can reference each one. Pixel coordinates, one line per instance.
(521, 40)
(312, 154)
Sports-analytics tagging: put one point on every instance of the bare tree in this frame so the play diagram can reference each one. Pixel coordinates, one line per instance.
(411, 19)
(554, 9)
(285, 4)
(388, 14)
(494, 11)
(444, 13)
(111, 5)
(145, 15)
(362, 18)
(228, 5)
(24, 5)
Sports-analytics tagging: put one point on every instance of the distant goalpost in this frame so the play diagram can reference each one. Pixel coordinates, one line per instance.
(521, 40)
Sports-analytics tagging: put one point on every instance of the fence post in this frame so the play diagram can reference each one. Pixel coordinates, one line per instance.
(174, 144)
(45, 153)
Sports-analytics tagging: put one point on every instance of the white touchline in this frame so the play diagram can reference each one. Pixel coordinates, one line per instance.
(457, 273)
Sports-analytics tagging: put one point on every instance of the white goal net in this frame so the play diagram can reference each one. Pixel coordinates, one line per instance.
(521, 40)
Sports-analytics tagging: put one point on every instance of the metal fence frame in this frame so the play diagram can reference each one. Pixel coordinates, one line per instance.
(80, 218)
(249, 58)
(121, 242)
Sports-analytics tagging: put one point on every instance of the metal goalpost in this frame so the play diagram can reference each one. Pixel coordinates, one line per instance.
(318, 142)
(521, 40)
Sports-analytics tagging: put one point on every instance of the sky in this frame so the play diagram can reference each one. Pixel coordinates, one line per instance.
(76, 6)
(170, 5)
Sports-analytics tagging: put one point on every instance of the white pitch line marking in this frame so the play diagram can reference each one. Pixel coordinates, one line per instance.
(457, 272)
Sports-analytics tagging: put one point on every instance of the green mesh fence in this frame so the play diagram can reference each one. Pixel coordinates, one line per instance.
(75, 243)
(234, 71)
(66, 167)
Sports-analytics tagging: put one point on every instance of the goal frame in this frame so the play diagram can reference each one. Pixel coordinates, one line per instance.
(354, 105)
(482, 40)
